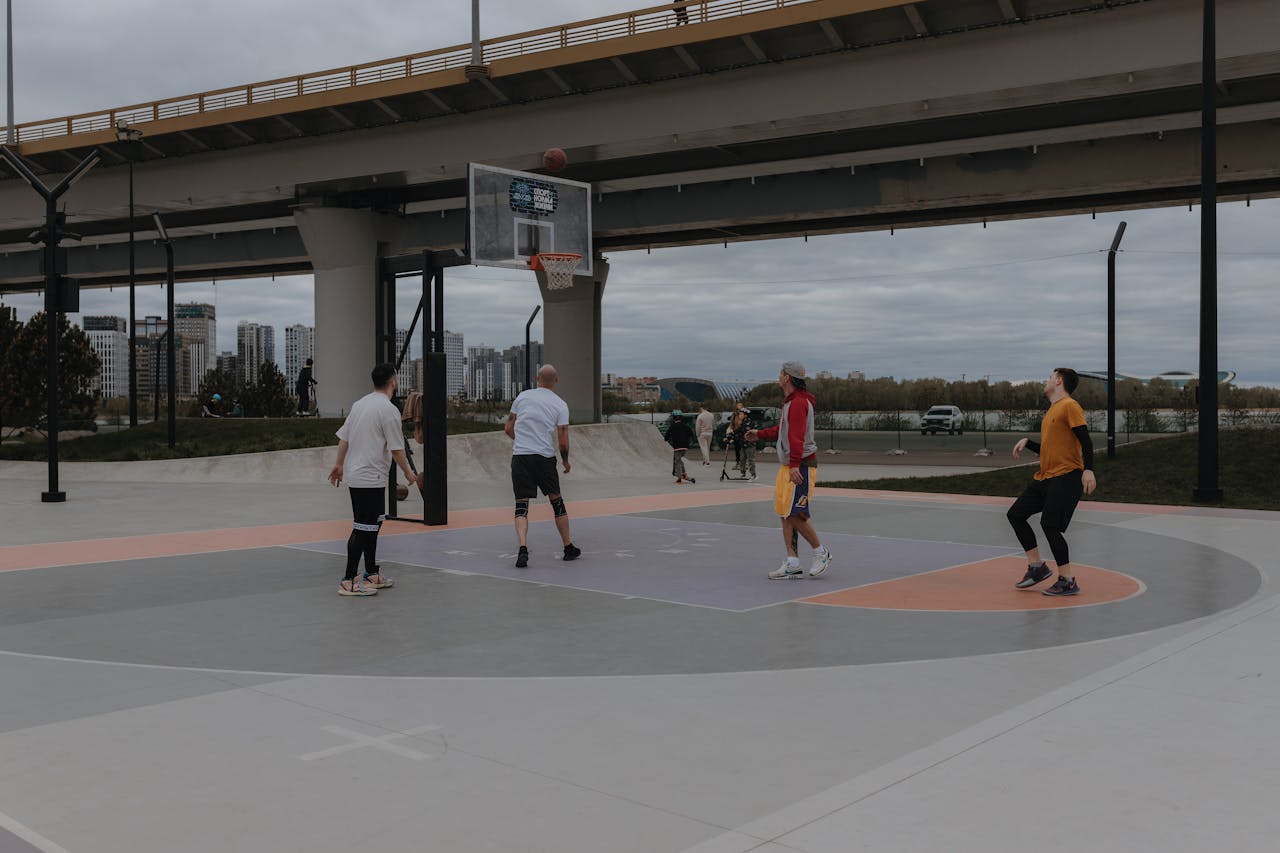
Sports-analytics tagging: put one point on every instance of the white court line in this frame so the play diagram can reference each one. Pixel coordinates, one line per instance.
(774, 827)
(29, 835)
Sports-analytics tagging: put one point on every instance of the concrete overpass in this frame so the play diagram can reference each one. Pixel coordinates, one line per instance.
(757, 119)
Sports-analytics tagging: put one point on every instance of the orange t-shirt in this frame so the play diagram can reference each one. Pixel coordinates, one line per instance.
(1059, 448)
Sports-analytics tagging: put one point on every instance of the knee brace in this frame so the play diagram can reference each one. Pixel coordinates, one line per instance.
(522, 508)
(557, 506)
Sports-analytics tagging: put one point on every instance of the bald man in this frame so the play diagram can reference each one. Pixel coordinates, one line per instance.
(539, 421)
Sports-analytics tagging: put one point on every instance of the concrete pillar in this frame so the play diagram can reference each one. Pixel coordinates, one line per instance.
(571, 339)
(344, 249)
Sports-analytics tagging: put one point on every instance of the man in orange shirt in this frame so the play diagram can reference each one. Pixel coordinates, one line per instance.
(1066, 472)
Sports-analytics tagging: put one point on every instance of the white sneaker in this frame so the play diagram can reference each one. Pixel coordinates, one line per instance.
(820, 563)
(786, 572)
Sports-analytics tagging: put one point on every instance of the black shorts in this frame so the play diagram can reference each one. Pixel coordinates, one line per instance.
(532, 472)
(1054, 498)
(368, 508)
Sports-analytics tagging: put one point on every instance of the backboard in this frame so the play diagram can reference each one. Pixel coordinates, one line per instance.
(512, 215)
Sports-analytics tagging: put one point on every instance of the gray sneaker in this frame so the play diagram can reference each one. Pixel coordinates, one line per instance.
(820, 563)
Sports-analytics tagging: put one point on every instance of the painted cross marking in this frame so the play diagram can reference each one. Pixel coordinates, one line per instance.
(359, 741)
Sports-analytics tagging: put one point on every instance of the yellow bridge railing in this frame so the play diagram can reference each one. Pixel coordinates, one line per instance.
(666, 16)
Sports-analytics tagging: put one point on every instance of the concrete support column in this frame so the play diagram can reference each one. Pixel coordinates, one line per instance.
(344, 249)
(571, 339)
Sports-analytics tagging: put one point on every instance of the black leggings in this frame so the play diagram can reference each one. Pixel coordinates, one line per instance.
(367, 509)
(1055, 499)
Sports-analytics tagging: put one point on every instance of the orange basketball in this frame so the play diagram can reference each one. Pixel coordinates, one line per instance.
(554, 159)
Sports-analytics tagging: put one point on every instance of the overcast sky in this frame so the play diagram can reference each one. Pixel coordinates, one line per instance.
(1013, 300)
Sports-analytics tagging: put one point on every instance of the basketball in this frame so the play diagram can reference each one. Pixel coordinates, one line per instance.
(402, 492)
(554, 159)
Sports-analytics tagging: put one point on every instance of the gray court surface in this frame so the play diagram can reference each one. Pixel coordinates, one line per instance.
(660, 694)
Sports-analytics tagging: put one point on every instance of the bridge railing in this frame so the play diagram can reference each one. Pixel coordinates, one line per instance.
(622, 25)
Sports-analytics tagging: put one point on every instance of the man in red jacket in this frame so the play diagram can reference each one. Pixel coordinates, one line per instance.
(798, 453)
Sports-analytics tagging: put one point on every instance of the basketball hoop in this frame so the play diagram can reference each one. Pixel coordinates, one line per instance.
(559, 267)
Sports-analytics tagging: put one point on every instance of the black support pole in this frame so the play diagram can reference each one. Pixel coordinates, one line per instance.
(435, 370)
(133, 318)
(528, 365)
(52, 299)
(1207, 489)
(53, 495)
(1111, 341)
(172, 356)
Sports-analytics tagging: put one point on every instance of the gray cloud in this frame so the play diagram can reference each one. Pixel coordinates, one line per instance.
(1011, 300)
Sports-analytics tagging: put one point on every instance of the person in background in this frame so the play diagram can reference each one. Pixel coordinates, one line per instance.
(303, 388)
(679, 436)
(706, 424)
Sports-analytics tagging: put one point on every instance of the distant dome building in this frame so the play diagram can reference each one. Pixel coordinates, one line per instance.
(702, 390)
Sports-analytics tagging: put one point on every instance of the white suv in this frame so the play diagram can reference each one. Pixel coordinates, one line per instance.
(939, 418)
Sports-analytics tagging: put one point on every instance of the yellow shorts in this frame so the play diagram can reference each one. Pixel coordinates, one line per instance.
(791, 499)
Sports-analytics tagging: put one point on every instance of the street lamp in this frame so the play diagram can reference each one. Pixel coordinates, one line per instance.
(528, 367)
(57, 297)
(124, 133)
(168, 257)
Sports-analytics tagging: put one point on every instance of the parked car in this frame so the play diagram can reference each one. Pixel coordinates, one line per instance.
(940, 418)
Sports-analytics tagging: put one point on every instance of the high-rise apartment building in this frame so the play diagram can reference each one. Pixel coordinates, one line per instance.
(109, 338)
(255, 346)
(197, 329)
(227, 362)
(455, 364)
(299, 345)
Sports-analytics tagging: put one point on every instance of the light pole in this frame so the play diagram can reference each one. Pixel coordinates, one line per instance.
(528, 366)
(12, 136)
(55, 300)
(1111, 341)
(124, 133)
(986, 386)
(168, 257)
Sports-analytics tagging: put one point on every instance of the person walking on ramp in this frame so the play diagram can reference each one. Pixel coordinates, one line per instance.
(798, 455)
(679, 436)
(369, 439)
(536, 415)
(1066, 472)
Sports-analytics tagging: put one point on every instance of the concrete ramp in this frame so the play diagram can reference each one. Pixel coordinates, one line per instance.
(597, 451)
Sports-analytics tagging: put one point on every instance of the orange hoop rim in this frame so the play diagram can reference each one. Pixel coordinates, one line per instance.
(535, 262)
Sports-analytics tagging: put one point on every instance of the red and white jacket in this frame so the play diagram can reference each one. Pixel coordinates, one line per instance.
(796, 442)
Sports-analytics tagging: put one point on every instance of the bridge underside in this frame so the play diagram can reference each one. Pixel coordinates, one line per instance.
(1013, 183)
(824, 117)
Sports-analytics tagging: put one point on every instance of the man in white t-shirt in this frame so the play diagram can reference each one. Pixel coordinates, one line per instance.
(538, 415)
(706, 423)
(369, 439)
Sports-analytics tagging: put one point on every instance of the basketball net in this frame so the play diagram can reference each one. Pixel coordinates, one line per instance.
(559, 267)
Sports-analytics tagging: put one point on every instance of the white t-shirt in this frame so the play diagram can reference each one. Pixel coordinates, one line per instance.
(371, 431)
(706, 423)
(538, 412)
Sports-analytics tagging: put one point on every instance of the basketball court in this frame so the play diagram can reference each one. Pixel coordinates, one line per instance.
(207, 689)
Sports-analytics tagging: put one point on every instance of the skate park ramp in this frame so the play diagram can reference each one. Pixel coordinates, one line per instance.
(597, 451)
